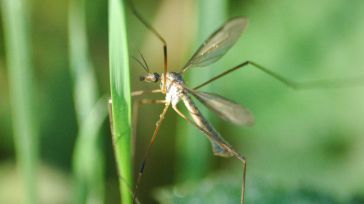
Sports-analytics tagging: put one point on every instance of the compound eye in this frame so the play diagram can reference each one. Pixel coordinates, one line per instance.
(156, 77)
(141, 78)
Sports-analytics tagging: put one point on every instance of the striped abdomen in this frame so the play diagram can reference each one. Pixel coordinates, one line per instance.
(214, 136)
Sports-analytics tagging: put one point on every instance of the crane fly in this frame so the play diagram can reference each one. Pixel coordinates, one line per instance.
(175, 90)
(172, 85)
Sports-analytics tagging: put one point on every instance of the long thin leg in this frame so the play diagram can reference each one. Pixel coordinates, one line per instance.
(158, 124)
(328, 83)
(142, 92)
(226, 146)
(136, 104)
(112, 132)
(159, 36)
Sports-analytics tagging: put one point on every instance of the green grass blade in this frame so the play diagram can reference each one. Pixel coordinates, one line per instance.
(120, 95)
(88, 173)
(88, 162)
(194, 151)
(25, 124)
(85, 88)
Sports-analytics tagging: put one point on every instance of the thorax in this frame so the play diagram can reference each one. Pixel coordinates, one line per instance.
(174, 87)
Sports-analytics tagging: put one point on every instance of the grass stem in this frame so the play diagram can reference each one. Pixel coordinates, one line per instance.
(88, 161)
(120, 95)
(25, 124)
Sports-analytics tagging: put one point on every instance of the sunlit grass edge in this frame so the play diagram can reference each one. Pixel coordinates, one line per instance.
(120, 96)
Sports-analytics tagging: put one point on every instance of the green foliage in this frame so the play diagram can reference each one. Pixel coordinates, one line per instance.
(225, 189)
(120, 95)
(88, 162)
(88, 159)
(15, 14)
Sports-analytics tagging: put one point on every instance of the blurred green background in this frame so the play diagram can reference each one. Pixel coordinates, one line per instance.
(305, 147)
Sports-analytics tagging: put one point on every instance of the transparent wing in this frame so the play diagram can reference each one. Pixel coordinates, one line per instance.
(218, 43)
(226, 109)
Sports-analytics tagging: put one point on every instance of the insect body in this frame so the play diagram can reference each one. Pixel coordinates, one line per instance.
(175, 90)
(214, 136)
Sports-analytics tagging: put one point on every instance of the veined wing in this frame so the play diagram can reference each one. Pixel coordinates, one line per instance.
(225, 108)
(218, 43)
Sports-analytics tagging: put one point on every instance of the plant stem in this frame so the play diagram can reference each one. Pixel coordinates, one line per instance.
(87, 159)
(120, 95)
(85, 88)
(88, 173)
(25, 125)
